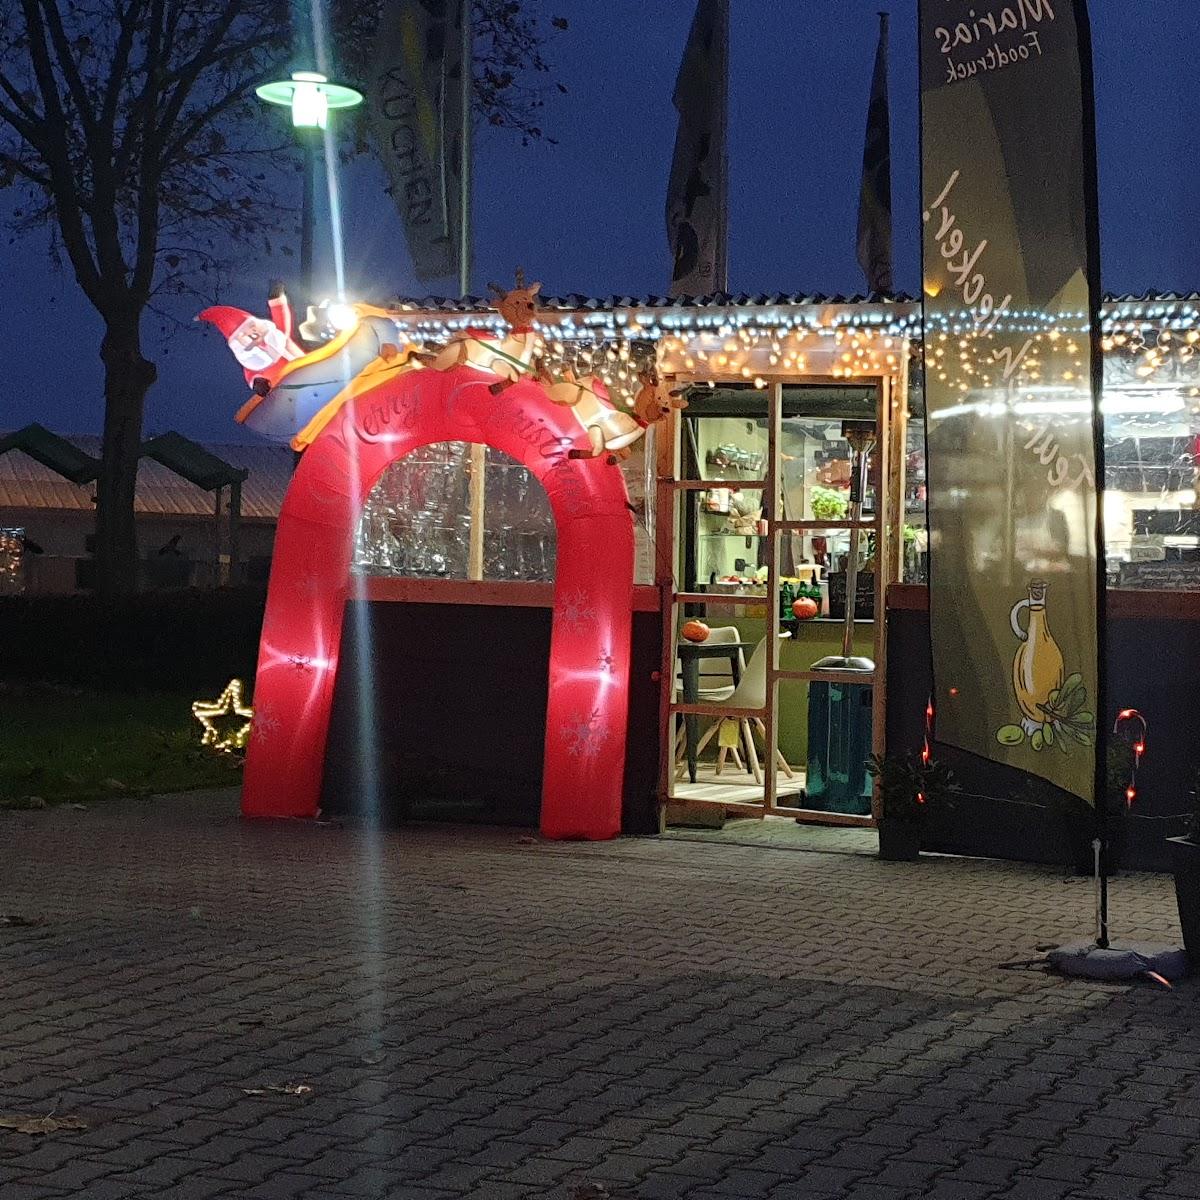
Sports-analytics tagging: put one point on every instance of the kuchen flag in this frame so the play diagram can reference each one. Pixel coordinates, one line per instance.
(416, 99)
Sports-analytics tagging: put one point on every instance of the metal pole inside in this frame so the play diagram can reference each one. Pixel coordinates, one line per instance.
(308, 204)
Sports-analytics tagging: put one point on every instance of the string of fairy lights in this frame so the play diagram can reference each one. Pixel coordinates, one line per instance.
(754, 341)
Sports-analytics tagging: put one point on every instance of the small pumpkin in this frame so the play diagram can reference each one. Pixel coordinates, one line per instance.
(695, 631)
(805, 608)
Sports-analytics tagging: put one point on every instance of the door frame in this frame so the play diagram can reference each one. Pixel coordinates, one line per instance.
(890, 458)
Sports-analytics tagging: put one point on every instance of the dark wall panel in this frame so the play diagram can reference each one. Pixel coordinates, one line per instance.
(439, 712)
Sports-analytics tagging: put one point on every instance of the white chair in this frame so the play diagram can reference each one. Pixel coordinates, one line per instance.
(721, 681)
(720, 678)
(751, 692)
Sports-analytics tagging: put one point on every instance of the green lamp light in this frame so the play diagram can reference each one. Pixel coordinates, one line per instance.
(310, 96)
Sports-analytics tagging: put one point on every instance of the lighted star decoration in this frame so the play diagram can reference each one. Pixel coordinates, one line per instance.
(226, 720)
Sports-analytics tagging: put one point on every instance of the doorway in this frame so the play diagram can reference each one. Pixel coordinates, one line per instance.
(755, 504)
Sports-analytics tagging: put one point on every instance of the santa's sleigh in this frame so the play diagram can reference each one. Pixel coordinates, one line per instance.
(287, 403)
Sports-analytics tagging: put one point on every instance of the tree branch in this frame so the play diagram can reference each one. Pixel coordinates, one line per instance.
(15, 164)
(63, 183)
(22, 117)
(186, 76)
(70, 71)
(158, 36)
(117, 72)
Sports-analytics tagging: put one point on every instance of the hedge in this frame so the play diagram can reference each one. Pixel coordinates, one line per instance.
(153, 641)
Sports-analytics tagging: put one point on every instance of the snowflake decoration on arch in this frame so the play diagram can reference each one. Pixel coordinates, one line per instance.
(309, 584)
(606, 662)
(577, 610)
(263, 724)
(584, 735)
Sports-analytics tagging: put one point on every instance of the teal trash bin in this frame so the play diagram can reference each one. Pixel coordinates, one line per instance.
(839, 745)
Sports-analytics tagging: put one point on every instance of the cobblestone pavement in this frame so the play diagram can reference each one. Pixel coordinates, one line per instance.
(480, 1014)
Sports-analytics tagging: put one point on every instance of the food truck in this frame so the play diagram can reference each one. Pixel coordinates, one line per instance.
(601, 565)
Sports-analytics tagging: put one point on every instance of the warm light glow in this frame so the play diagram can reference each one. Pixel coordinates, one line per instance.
(226, 720)
(342, 316)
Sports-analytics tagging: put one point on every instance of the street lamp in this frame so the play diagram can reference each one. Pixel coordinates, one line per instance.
(311, 98)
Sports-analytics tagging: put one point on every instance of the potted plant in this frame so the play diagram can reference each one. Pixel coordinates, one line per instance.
(828, 504)
(909, 787)
(1185, 866)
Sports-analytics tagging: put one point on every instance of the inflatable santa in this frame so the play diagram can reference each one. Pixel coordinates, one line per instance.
(292, 382)
(263, 348)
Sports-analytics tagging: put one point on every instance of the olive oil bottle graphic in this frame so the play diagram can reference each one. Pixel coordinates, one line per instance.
(1054, 710)
(1037, 669)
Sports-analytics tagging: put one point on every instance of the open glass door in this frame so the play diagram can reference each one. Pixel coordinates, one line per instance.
(769, 553)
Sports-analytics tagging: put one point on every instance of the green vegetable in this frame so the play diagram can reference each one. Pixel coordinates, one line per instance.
(828, 504)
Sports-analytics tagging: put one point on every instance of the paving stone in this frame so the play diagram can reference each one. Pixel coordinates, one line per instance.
(646, 1012)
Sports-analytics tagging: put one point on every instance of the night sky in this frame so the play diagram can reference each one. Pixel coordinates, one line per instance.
(586, 215)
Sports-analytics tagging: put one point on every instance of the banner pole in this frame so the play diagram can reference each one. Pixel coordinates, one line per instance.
(464, 200)
(478, 452)
(1092, 232)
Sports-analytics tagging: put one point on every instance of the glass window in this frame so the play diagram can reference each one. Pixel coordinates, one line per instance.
(12, 556)
(1152, 467)
(520, 541)
(416, 522)
(417, 519)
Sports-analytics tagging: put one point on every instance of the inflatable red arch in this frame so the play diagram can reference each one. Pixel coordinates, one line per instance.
(587, 712)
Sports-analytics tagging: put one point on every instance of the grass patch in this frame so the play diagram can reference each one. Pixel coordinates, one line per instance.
(64, 744)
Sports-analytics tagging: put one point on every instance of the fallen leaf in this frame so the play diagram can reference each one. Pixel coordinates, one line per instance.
(27, 1123)
(113, 785)
(18, 919)
(373, 1057)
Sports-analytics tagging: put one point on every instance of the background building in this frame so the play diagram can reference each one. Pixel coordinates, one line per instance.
(47, 519)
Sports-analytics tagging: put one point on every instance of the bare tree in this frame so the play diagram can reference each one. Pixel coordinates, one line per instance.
(131, 129)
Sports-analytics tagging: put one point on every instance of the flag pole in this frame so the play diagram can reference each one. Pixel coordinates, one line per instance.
(478, 453)
(722, 273)
(464, 199)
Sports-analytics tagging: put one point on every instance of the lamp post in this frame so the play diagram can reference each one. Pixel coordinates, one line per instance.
(311, 98)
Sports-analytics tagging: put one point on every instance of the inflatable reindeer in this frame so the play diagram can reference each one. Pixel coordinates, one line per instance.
(509, 355)
(611, 430)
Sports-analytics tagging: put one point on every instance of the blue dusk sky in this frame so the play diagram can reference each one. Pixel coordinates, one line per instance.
(586, 214)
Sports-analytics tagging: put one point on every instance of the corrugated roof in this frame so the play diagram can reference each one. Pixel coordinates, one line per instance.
(26, 483)
(574, 302)
(577, 303)
(53, 452)
(192, 461)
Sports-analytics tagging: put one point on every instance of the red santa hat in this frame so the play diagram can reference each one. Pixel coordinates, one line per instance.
(226, 318)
